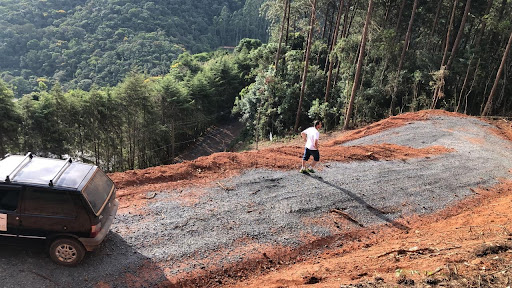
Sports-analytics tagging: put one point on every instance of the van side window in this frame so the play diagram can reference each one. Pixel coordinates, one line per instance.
(48, 202)
(9, 199)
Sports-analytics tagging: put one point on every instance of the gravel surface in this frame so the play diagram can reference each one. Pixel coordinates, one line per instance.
(271, 208)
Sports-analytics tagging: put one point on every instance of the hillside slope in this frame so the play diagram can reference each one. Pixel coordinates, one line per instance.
(419, 183)
(87, 42)
(468, 244)
(416, 198)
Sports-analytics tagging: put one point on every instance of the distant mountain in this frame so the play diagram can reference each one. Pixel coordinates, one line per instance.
(83, 43)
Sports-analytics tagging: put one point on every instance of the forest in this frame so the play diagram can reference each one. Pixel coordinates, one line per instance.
(88, 43)
(347, 62)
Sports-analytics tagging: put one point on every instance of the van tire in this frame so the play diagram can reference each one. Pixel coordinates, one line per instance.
(67, 252)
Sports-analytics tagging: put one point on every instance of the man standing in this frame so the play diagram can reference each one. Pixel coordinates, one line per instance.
(311, 136)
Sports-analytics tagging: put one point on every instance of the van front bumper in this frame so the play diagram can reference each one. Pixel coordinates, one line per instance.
(91, 244)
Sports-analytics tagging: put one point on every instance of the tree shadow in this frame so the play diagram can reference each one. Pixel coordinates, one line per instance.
(363, 203)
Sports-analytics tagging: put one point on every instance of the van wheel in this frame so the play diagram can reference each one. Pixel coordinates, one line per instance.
(67, 252)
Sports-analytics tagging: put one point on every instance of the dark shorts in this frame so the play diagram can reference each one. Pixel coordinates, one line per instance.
(307, 153)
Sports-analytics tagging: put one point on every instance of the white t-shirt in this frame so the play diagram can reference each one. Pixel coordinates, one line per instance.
(312, 136)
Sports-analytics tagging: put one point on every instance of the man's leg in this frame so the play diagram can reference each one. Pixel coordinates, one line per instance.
(305, 159)
(310, 169)
(316, 158)
(303, 169)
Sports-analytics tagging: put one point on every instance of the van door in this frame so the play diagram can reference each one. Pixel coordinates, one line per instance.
(45, 212)
(9, 210)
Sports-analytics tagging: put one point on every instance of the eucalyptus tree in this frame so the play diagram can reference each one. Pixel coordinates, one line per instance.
(306, 63)
(402, 56)
(459, 34)
(281, 34)
(489, 104)
(359, 65)
(331, 59)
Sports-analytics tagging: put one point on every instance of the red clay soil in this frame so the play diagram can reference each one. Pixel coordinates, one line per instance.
(468, 245)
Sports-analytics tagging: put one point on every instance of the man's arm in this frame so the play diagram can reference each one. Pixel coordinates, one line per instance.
(304, 135)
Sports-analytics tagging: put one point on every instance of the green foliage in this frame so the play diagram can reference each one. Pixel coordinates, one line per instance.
(257, 105)
(85, 44)
(411, 88)
(44, 118)
(248, 44)
(9, 120)
(214, 88)
(160, 101)
(143, 121)
(317, 110)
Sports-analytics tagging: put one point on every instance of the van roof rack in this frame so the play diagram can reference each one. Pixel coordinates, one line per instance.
(13, 173)
(61, 171)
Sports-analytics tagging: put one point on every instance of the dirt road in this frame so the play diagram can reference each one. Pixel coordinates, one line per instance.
(231, 216)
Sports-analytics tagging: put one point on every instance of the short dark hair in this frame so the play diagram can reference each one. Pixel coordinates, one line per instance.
(316, 123)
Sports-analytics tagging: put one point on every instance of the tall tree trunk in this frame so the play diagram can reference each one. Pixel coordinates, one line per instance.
(359, 66)
(502, 101)
(326, 20)
(487, 84)
(438, 88)
(475, 73)
(436, 18)
(399, 19)
(402, 57)
(459, 34)
(450, 27)
(306, 65)
(288, 22)
(336, 76)
(122, 164)
(331, 26)
(331, 62)
(347, 32)
(499, 102)
(488, 105)
(464, 84)
(383, 72)
(345, 19)
(278, 54)
(331, 41)
(329, 38)
(407, 36)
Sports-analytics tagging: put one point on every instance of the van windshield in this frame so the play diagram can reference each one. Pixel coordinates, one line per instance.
(98, 190)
